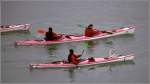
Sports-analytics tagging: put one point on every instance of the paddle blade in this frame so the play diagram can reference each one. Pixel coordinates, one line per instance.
(41, 31)
(81, 25)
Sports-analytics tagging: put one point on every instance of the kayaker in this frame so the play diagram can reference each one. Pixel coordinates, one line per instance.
(90, 32)
(50, 35)
(73, 58)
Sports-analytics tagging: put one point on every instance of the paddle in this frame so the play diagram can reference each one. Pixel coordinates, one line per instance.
(40, 31)
(81, 53)
(40, 34)
(81, 25)
(113, 52)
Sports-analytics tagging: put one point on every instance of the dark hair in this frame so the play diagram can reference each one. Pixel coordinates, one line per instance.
(90, 25)
(50, 29)
(71, 50)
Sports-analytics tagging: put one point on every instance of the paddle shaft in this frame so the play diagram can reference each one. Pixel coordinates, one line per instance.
(82, 52)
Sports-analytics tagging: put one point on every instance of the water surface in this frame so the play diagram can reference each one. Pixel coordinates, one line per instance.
(64, 17)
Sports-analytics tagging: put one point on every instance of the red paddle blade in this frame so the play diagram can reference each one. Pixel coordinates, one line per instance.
(41, 31)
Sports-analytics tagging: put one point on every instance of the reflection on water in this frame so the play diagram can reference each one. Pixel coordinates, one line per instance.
(115, 64)
(15, 35)
(52, 48)
(16, 32)
(110, 65)
(53, 13)
(71, 74)
(123, 37)
(71, 46)
(72, 71)
(108, 42)
(90, 45)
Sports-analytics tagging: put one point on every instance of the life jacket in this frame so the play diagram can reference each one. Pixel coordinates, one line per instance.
(72, 58)
(90, 32)
(51, 36)
(69, 58)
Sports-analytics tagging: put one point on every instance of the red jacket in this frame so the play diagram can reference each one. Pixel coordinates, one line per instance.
(89, 32)
(52, 36)
(72, 58)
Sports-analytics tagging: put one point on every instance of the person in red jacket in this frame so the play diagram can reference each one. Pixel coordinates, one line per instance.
(73, 58)
(50, 35)
(90, 32)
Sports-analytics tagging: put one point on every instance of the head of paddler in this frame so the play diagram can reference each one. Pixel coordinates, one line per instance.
(50, 29)
(90, 26)
(71, 51)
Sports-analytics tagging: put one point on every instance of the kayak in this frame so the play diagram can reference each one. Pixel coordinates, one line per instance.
(7, 28)
(76, 38)
(83, 62)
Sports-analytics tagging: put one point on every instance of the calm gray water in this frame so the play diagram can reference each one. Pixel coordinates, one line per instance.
(64, 17)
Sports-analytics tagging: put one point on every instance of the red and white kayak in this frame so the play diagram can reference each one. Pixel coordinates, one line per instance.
(7, 28)
(75, 38)
(85, 62)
